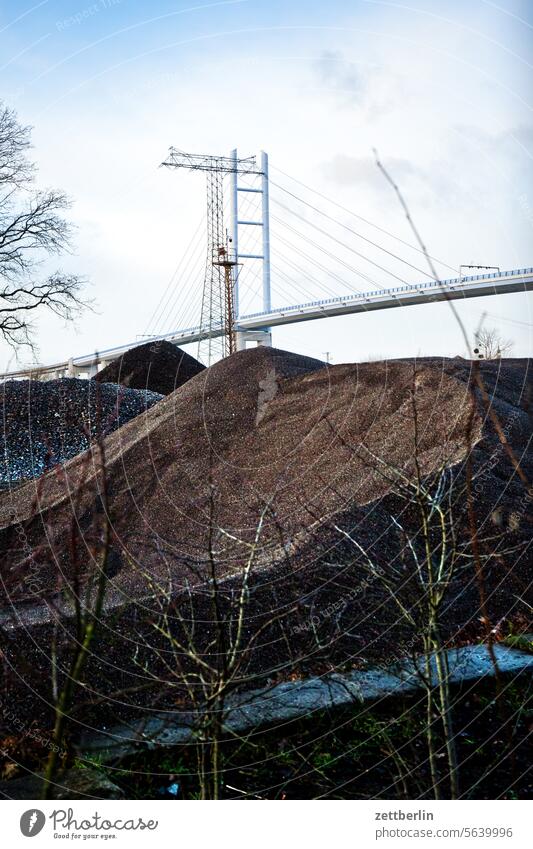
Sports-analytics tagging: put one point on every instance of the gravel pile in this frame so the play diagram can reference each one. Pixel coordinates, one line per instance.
(158, 366)
(46, 423)
(266, 426)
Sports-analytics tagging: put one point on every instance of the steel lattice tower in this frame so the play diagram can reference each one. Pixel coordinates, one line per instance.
(213, 314)
(219, 307)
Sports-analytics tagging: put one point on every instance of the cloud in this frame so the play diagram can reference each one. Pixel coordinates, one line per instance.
(520, 134)
(336, 72)
(439, 183)
(362, 170)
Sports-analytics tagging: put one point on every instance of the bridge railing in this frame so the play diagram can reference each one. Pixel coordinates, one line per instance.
(81, 362)
(339, 299)
(407, 288)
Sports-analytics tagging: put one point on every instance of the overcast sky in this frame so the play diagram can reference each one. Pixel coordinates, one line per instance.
(441, 89)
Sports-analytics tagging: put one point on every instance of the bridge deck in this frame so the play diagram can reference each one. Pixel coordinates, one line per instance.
(482, 285)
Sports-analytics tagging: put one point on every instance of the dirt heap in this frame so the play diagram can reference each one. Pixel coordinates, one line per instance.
(313, 452)
(47, 423)
(158, 366)
(266, 431)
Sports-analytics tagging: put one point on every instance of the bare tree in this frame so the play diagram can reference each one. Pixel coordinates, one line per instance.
(209, 643)
(32, 228)
(418, 584)
(87, 600)
(490, 345)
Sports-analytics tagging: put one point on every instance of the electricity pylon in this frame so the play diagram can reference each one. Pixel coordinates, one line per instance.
(218, 297)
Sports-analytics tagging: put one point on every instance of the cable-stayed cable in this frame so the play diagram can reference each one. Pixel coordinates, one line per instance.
(345, 227)
(347, 247)
(329, 271)
(161, 306)
(365, 220)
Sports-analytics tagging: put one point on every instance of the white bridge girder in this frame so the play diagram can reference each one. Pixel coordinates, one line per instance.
(256, 327)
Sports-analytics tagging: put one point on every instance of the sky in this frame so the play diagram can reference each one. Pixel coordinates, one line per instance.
(442, 90)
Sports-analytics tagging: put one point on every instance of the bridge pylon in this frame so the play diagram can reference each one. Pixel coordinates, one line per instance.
(220, 335)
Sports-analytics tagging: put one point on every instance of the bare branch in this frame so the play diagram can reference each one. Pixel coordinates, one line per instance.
(32, 228)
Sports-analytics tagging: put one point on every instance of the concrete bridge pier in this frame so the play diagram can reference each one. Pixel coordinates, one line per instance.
(261, 337)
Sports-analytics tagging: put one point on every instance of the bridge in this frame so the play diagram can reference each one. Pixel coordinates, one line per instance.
(255, 327)
(318, 247)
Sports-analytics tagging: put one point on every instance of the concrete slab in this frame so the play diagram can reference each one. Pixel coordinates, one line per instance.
(256, 709)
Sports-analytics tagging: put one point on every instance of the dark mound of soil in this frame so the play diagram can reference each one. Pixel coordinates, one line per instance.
(264, 427)
(158, 366)
(315, 453)
(46, 423)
